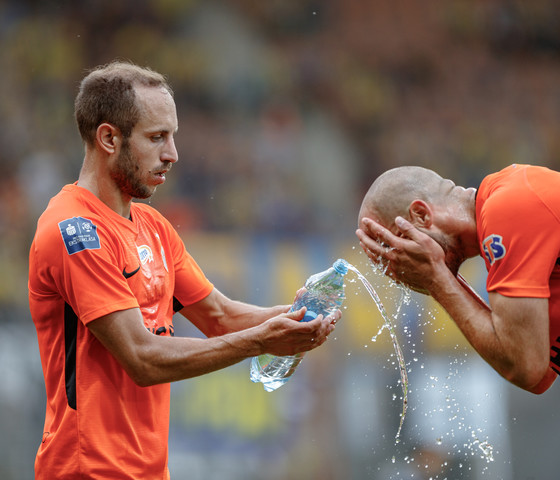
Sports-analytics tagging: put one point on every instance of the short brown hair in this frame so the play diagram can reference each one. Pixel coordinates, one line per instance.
(107, 95)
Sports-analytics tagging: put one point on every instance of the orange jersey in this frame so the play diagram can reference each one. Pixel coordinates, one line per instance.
(518, 228)
(87, 261)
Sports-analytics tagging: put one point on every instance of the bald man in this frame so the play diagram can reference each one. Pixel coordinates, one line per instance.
(422, 227)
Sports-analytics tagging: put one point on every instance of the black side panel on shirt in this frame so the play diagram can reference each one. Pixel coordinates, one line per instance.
(70, 334)
(177, 305)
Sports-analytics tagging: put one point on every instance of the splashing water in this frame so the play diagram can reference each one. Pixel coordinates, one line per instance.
(487, 451)
(389, 326)
(485, 447)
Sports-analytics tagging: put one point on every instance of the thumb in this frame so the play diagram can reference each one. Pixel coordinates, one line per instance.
(297, 314)
(406, 227)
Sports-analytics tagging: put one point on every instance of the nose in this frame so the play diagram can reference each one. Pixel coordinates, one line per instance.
(170, 153)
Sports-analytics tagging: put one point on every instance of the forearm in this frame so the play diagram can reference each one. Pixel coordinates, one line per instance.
(472, 292)
(169, 359)
(219, 315)
(151, 359)
(497, 338)
(239, 316)
(471, 316)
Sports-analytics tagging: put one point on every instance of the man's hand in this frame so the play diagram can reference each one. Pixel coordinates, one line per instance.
(411, 257)
(511, 333)
(287, 335)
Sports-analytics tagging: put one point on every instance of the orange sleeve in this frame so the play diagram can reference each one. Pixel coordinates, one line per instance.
(519, 240)
(91, 279)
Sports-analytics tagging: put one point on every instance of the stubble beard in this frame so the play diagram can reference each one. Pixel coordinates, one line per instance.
(453, 252)
(125, 174)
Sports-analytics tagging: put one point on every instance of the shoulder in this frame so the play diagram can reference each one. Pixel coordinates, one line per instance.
(507, 191)
(73, 201)
(73, 214)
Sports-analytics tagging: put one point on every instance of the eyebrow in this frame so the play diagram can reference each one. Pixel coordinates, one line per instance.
(153, 131)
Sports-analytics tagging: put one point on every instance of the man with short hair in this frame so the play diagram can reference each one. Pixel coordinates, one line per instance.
(106, 276)
(422, 227)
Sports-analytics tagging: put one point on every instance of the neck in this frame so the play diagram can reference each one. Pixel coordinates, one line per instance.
(94, 177)
(468, 234)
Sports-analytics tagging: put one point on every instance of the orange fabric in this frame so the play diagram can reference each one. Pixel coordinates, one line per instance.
(518, 228)
(99, 423)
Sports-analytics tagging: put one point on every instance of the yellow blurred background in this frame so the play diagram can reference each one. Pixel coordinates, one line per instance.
(288, 110)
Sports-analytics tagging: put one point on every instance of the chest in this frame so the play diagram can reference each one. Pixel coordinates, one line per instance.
(146, 268)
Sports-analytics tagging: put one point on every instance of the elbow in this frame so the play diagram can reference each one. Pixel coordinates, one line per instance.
(545, 383)
(533, 379)
(141, 375)
(143, 380)
(142, 367)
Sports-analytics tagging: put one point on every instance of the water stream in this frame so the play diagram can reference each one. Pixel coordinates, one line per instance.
(477, 444)
(388, 324)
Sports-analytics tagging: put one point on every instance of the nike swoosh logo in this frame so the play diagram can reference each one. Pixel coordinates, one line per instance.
(129, 274)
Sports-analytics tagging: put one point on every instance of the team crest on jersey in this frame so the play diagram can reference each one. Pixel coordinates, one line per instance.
(493, 248)
(145, 253)
(79, 234)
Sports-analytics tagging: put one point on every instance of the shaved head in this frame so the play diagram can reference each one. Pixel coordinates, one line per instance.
(391, 193)
(434, 205)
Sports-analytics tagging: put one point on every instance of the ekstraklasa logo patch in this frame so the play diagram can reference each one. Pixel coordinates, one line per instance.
(79, 234)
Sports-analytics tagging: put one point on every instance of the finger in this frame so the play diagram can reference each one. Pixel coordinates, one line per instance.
(328, 325)
(318, 328)
(371, 227)
(301, 291)
(383, 236)
(373, 255)
(377, 233)
(297, 315)
(406, 228)
(369, 244)
(377, 252)
(334, 317)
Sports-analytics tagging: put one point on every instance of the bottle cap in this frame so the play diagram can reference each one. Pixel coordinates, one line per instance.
(341, 266)
(309, 315)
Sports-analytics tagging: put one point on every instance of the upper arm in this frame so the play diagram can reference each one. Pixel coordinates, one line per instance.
(123, 333)
(207, 314)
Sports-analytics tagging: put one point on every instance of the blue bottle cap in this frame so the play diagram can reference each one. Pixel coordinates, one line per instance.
(341, 266)
(309, 315)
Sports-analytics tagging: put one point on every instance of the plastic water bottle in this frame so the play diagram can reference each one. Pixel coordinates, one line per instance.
(323, 294)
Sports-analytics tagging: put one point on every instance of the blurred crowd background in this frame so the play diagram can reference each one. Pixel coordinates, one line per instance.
(288, 110)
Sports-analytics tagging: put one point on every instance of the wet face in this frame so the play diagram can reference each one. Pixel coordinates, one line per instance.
(459, 205)
(453, 256)
(146, 156)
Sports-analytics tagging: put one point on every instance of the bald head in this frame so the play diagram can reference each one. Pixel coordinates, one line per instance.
(391, 193)
(433, 205)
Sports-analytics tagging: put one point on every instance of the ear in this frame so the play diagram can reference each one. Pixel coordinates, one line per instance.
(421, 214)
(108, 138)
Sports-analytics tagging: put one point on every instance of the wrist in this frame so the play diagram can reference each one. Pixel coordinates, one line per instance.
(442, 282)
